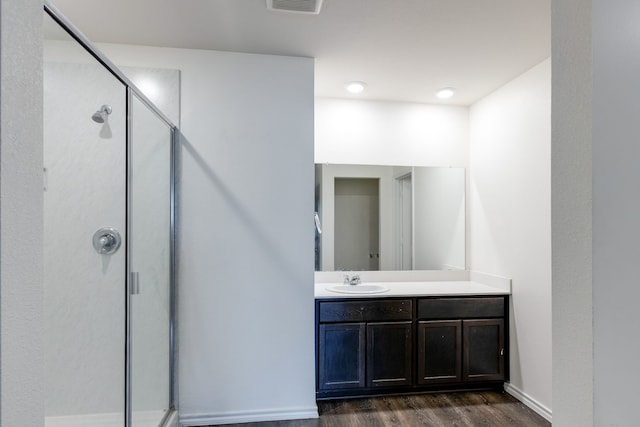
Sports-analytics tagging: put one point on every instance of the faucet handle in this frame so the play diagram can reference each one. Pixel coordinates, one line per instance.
(346, 280)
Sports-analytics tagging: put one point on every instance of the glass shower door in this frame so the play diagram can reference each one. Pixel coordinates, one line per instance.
(84, 219)
(150, 258)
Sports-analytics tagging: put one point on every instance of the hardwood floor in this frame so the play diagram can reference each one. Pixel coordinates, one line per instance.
(469, 409)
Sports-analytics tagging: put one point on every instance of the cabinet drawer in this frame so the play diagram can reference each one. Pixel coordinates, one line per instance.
(460, 308)
(365, 310)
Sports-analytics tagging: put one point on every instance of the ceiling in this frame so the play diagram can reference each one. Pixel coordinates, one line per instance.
(404, 50)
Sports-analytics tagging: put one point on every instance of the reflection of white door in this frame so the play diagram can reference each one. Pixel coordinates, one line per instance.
(439, 220)
(404, 247)
(357, 213)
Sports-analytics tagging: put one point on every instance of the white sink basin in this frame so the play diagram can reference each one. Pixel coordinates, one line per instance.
(358, 289)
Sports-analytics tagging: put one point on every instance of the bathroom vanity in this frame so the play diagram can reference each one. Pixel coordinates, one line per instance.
(412, 338)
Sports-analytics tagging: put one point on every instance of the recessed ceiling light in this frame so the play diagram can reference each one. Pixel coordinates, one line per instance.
(445, 93)
(355, 87)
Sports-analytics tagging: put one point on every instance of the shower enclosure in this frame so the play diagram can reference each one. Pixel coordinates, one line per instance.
(109, 176)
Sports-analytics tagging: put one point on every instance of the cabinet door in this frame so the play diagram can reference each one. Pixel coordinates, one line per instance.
(341, 348)
(389, 348)
(483, 358)
(439, 351)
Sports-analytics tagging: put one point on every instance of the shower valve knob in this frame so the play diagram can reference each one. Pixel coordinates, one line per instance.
(106, 241)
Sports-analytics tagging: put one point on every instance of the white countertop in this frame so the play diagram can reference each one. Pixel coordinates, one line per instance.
(410, 289)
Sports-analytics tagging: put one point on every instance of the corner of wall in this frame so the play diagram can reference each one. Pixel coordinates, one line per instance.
(571, 207)
(21, 216)
(510, 216)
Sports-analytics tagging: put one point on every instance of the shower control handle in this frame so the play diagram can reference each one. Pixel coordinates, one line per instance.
(106, 241)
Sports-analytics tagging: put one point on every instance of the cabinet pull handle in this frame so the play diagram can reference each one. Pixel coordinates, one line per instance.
(502, 352)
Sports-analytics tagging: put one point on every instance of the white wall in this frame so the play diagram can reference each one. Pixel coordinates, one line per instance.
(511, 213)
(246, 321)
(616, 211)
(390, 133)
(21, 372)
(595, 132)
(571, 213)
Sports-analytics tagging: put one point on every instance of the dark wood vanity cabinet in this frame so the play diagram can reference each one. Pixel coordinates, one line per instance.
(461, 339)
(341, 356)
(364, 344)
(389, 350)
(439, 352)
(393, 345)
(483, 350)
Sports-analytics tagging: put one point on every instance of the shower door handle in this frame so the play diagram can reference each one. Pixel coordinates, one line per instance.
(135, 283)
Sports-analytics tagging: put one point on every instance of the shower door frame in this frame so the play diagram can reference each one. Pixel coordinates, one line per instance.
(174, 149)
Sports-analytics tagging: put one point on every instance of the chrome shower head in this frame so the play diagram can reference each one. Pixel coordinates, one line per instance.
(101, 115)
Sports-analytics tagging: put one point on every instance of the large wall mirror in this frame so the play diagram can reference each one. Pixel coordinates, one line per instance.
(390, 218)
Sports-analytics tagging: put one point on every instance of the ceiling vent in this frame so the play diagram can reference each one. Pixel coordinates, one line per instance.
(295, 6)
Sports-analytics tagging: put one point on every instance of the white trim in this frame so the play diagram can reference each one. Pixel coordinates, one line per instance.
(533, 404)
(190, 420)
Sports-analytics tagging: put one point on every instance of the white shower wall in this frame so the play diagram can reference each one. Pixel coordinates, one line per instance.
(84, 292)
(85, 190)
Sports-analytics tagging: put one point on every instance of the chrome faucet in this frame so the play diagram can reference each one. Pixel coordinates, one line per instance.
(354, 280)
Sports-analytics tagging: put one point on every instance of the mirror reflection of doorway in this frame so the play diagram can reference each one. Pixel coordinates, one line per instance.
(405, 222)
(357, 217)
